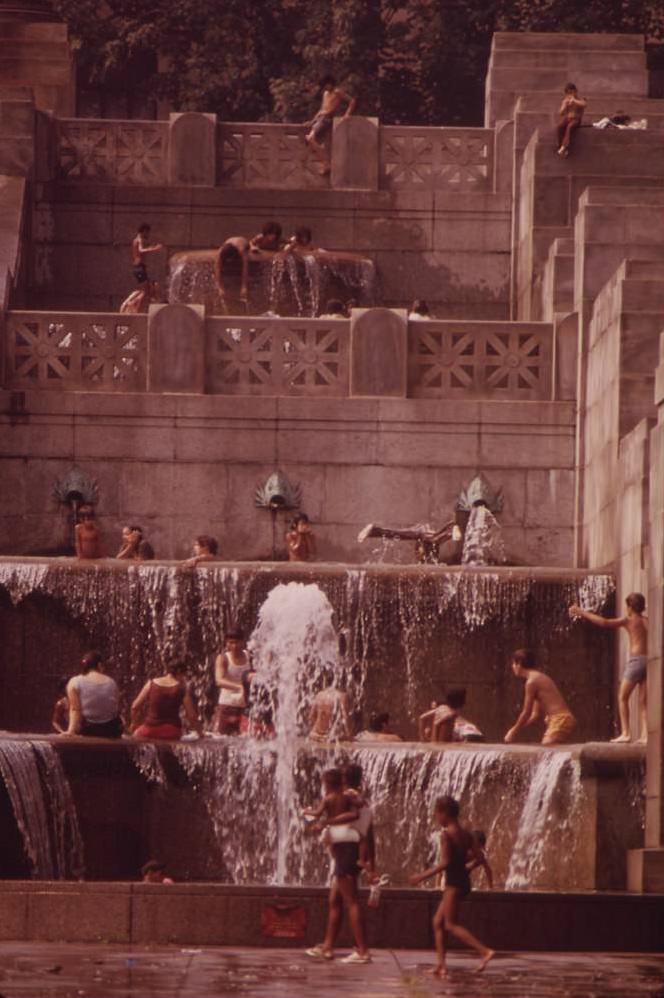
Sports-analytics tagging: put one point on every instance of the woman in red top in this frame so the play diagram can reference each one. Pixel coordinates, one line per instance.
(160, 700)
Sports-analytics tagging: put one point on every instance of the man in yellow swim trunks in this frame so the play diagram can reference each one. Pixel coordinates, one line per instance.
(541, 697)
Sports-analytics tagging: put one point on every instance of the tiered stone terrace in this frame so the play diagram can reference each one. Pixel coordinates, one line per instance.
(544, 275)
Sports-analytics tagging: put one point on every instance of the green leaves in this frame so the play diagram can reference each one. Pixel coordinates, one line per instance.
(407, 61)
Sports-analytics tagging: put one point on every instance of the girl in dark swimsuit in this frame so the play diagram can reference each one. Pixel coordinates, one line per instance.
(457, 857)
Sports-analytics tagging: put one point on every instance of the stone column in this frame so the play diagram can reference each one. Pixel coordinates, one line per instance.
(355, 151)
(176, 349)
(192, 149)
(645, 867)
(379, 352)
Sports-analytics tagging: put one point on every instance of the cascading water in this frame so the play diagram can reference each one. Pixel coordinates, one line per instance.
(483, 539)
(43, 807)
(549, 821)
(284, 285)
(415, 630)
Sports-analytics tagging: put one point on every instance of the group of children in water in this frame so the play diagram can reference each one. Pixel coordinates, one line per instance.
(299, 540)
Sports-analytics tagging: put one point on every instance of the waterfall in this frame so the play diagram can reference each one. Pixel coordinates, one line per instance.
(532, 808)
(483, 539)
(550, 820)
(411, 630)
(41, 799)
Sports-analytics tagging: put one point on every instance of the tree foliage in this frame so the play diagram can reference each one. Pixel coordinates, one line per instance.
(418, 61)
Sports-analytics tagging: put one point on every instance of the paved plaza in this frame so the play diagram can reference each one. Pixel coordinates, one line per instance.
(61, 970)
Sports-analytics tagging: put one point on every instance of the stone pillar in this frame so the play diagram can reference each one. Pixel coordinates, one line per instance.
(645, 867)
(36, 54)
(176, 349)
(192, 149)
(355, 151)
(379, 352)
(565, 356)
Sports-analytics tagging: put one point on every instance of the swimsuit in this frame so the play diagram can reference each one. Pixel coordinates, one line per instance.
(560, 725)
(140, 273)
(163, 713)
(635, 668)
(456, 874)
(345, 856)
(321, 124)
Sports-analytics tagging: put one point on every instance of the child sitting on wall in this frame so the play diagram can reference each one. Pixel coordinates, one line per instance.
(444, 722)
(154, 872)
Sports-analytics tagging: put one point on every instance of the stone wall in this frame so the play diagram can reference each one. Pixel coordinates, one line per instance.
(182, 465)
(450, 249)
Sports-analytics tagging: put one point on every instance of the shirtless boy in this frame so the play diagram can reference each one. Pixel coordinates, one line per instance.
(329, 717)
(571, 113)
(458, 855)
(86, 535)
(205, 549)
(238, 248)
(131, 538)
(332, 98)
(140, 246)
(340, 806)
(541, 697)
(300, 541)
(634, 670)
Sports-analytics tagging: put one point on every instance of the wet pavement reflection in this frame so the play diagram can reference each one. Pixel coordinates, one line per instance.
(61, 970)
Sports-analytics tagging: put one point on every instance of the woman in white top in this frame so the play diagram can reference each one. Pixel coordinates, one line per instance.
(94, 701)
(232, 672)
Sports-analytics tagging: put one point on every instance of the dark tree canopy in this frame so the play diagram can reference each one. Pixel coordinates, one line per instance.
(416, 61)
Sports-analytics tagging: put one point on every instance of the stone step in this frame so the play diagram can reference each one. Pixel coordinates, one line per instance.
(568, 61)
(622, 82)
(599, 102)
(521, 40)
(644, 296)
(626, 194)
(644, 269)
(563, 247)
(599, 153)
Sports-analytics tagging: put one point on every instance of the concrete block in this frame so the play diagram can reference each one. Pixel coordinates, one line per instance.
(379, 352)
(645, 871)
(176, 348)
(192, 149)
(566, 348)
(377, 494)
(348, 168)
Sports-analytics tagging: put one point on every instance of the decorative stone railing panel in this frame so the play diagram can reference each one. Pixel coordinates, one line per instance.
(76, 351)
(119, 152)
(468, 359)
(452, 159)
(265, 155)
(266, 356)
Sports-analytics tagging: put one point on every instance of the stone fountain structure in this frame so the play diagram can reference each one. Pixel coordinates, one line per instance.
(542, 369)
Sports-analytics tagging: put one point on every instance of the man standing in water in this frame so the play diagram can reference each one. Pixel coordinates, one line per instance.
(541, 697)
(634, 670)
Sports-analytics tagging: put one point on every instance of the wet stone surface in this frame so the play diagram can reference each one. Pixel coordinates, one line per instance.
(60, 970)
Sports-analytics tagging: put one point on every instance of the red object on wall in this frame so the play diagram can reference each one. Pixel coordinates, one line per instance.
(284, 921)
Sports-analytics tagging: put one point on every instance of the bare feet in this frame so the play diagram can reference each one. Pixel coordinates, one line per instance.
(440, 970)
(643, 740)
(621, 739)
(485, 959)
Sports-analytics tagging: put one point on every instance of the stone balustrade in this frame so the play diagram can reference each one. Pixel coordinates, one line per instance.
(197, 149)
(76, 351)
(377, 353)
